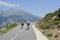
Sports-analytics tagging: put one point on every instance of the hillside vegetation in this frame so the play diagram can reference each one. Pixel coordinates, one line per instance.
(6, 29)
(50, 25)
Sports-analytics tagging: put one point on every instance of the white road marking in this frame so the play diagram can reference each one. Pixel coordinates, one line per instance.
(16, 35)
(39, 35)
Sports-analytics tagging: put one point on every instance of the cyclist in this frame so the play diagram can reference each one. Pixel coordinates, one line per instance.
(22, 24)
(28, 23)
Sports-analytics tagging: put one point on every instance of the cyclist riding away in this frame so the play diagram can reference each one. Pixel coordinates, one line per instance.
(28, 23)
(22, 24)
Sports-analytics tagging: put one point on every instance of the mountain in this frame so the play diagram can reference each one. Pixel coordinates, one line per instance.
(2, 18)
(21, 14)
(11, 16)
(16, 18)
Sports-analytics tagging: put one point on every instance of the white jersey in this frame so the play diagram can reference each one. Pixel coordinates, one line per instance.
(28, 22)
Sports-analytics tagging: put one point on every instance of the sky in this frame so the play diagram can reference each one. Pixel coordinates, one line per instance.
(36, 7)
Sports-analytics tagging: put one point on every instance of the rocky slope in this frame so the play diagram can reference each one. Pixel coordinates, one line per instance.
(50, 25)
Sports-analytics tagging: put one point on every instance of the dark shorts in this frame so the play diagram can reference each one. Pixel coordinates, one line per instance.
(28, 23)
(22, 24)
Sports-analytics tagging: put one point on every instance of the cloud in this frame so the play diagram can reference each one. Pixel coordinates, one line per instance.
(2, 3)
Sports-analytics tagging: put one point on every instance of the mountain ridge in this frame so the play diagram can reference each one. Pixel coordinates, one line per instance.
(16, 16)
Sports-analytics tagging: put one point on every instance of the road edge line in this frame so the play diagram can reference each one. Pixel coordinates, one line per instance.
(39, 35)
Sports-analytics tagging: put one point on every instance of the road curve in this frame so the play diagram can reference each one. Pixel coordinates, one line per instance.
(22, 34)
(19, 34)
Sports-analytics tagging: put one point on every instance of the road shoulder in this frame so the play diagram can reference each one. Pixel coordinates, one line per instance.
(39, 35)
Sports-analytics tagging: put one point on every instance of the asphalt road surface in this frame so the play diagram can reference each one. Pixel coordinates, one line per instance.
(19, 34)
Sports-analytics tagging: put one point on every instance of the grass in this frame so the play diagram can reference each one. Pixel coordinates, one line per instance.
(7, 28)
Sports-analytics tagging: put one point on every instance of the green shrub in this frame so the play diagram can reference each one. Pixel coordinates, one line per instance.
(11, 26)
(49, 34)
(46, 25)
(8, 28)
